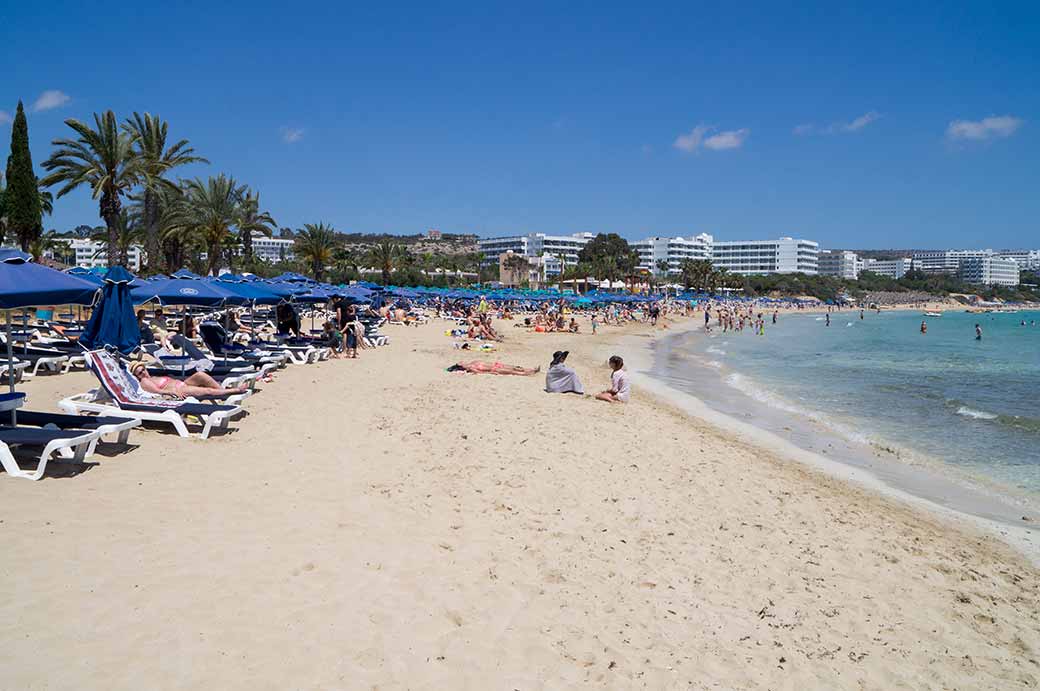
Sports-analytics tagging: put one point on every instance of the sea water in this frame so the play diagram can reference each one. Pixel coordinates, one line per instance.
(967, 408)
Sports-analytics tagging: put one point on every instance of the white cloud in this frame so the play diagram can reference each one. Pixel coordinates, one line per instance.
(837, 127)
(5, 117)
(861, 122)
(291, 135)
(701, 136)
(986, 128)
(733, 139)
(692, 141)
(51, 99)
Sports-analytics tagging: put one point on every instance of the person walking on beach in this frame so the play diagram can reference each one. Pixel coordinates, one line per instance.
(619, 387)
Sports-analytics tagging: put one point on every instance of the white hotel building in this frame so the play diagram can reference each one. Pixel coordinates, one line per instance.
(840, 263)
(91, 253)
(1028, 260)
(273, 249)
(672, 250)
(893, 268)
(945, 261)
(781, 256)
(990, 271)
(563, 247)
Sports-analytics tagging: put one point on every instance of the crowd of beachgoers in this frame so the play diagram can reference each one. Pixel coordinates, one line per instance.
(197, 361)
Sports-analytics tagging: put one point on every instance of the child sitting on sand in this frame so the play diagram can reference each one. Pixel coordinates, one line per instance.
(619, 386)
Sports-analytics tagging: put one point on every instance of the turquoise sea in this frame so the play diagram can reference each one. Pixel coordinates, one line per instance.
(969, 408)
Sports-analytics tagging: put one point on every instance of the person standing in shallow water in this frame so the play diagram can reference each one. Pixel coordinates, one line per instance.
(978, 332)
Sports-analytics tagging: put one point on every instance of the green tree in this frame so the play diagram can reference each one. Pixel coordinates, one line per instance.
(47, 242)
(205, 215)
(663, 267)
(156, 160)
(610, 246)
(128, 234)
(315, 245)
(103, 158)
(22, 197)
(386, 255)
(252, 220)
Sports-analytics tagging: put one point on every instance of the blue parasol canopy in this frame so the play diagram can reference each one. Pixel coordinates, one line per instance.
(184, 273)
(24, 283)
(185, 291)
(113, 322)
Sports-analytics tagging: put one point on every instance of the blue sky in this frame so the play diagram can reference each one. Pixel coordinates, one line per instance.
(870, 126)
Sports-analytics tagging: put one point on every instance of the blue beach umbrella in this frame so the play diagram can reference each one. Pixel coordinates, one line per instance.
(184, 291)
(24, 283)
(113, 322)
(184, 273)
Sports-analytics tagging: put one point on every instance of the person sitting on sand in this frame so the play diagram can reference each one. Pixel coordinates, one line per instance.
(560, 378)
(332, 338)
(573, 326)
(619, 387)
(481, 367)
(198, 384)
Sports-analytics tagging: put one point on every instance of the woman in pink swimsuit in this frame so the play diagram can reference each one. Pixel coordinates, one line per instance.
(198, 384)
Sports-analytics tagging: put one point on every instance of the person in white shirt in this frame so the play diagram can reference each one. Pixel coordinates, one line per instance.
(619, 386)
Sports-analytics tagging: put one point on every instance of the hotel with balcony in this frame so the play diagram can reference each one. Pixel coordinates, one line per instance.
(674, 251)
(780, 256)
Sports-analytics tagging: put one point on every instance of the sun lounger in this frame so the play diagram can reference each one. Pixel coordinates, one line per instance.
(17, 367)
(79, 444)
(103, 425)
(121, 395)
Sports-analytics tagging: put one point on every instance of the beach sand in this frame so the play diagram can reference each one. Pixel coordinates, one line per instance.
(382, 523)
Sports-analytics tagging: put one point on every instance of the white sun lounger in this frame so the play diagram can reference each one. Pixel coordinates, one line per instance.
(120, 395)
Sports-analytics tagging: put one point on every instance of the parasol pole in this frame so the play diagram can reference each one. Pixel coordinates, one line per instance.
(10, 368)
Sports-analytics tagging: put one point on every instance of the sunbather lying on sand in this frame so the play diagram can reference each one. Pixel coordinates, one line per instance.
(481, 367)
(198, 384)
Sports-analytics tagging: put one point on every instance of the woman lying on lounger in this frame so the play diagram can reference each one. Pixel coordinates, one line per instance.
(198, 384)
(481, 367)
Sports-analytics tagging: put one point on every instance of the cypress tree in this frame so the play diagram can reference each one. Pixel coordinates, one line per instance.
(22, 198)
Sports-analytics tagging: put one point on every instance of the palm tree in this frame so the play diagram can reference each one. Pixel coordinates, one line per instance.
(128, 234)
(155, 159)
(315, 245)
(46, 200)
(205, 213)
(386, 256)
(252, 220)
(105, 159)
(46, 242)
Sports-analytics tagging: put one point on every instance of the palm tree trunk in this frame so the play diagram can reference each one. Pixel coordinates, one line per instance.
(153, 257)
(247, 248)
(110, 212)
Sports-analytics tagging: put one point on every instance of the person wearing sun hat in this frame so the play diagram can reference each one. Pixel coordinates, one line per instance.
(560, 378)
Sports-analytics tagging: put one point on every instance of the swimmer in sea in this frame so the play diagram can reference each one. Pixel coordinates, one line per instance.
(978, 332)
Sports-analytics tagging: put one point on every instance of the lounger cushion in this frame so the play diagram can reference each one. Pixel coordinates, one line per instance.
(36, 436)
(38, 419)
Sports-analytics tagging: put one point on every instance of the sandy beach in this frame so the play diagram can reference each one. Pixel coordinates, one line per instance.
(382, 523)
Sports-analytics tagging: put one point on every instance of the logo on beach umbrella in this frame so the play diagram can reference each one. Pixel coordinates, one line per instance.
(188, 291)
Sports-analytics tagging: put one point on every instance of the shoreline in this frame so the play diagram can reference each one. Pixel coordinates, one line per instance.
(965, 509)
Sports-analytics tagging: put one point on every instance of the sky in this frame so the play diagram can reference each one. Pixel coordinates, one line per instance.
(867, 126)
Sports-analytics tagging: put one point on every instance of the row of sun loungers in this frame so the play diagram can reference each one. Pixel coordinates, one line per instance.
(119, 403)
